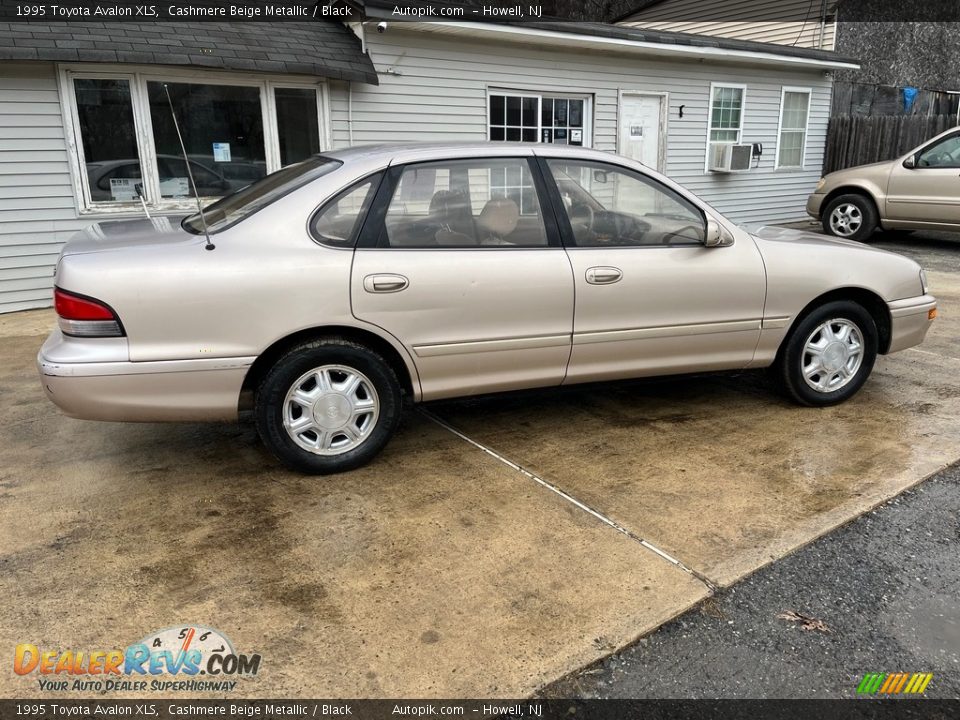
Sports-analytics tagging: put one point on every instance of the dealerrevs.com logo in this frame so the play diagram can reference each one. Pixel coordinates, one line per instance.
(192, 658)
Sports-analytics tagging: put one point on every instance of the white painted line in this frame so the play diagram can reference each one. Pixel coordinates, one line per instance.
(569, 498)
(936, 355)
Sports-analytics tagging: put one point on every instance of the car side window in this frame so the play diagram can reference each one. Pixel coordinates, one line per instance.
(485, 202)
(611, 206)
(944, 154)
(338, 222)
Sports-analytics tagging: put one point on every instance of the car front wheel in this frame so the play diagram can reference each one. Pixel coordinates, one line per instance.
(328, 406)
(852, 217)
(829, 354)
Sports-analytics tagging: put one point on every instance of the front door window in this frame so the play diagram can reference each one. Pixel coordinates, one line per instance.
(612, 206)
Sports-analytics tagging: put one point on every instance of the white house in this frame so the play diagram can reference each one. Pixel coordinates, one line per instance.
(86, 131)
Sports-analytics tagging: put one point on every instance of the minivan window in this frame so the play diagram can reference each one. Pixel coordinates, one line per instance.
(233, 208)
(945, 153)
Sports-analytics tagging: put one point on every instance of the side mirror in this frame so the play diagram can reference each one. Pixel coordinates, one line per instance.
(717, 235)
(910, 163)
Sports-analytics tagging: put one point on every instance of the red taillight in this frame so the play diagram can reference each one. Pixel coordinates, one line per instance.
(84, 316)
(74, 307)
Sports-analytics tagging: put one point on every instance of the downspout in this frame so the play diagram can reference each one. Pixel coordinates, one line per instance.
(359, 29)
(350, 112)
(823, 22)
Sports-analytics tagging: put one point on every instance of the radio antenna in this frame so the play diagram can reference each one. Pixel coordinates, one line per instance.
(186, 160)
(138, 187)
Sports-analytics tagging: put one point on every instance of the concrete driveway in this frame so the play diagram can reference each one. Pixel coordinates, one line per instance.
(495, 546)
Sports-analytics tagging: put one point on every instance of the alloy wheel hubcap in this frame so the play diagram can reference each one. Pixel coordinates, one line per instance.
(832, 355)
(330, 410)
(846, 219)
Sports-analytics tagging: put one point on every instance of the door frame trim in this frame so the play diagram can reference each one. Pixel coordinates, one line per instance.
(664, 123)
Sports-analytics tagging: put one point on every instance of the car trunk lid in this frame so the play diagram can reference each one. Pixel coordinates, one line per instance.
(124, 234)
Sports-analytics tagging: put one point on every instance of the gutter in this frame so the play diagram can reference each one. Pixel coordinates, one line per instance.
(554, 38)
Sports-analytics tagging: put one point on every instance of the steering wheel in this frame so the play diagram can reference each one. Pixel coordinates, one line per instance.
(936, 160)
(582, 214)
(630, 229)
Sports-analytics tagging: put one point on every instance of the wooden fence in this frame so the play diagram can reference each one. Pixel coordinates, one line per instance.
(853, 140)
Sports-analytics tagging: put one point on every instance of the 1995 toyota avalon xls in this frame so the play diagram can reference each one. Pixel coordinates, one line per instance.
(331, 288)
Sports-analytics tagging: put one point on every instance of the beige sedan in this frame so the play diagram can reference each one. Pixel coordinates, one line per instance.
(917, 191)
(322, 295)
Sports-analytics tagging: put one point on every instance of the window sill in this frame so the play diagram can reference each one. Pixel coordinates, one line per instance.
(132, 211)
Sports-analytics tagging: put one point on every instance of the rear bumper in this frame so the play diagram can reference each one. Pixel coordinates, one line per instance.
(174, 390)
(814, 204)
(910, 320)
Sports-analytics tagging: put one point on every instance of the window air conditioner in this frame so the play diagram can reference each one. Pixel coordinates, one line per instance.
(726, 157)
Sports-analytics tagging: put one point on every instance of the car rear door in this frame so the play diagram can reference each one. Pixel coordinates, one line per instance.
(459, 262)
(651, 298)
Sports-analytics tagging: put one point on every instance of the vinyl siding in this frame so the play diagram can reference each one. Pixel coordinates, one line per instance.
(797, 34)
(432, 88)
(788, 22)
(440, 95)
(37, 206)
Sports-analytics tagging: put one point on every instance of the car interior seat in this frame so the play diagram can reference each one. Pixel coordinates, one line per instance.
(451, 210)
(497, 221)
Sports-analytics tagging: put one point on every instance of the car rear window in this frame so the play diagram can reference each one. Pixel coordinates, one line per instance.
(233, 208)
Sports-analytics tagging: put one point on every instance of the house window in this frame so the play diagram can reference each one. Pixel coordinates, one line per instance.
(794, 114)
(298, 123)
(726, 113)
(110, 139)
(235, 131)
(513, 182)
(548, 118)
(222, 130)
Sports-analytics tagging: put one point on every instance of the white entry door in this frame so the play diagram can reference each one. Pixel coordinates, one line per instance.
(641, 129)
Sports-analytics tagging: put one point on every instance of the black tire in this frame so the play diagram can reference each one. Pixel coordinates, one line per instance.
(793, 356)
(330, 353)
(867, 213)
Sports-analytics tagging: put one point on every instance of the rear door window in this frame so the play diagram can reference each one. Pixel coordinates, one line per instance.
(486, 202)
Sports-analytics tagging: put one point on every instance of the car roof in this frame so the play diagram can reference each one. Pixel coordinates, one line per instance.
(419, 152)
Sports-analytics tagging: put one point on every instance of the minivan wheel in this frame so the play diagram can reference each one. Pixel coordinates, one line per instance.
(852, 217)
(829, 354)
(328, 406)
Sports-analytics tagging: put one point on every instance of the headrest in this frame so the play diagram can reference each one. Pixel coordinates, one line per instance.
(499, 216)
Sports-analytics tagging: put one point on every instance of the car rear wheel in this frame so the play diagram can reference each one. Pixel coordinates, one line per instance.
(852, 217)
(328, 406)
(829, 354)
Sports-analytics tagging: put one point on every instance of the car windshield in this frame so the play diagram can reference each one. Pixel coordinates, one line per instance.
(246, 201)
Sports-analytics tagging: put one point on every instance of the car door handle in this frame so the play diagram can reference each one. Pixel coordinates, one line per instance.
(385, 283)
(603, 275)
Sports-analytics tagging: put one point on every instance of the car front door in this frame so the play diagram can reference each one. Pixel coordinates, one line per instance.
(928, 192)
(458, 261)
(651, 298)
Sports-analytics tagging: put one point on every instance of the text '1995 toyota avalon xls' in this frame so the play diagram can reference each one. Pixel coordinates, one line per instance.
(341, 284)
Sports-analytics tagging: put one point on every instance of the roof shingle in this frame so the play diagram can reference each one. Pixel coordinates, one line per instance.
(325, 49)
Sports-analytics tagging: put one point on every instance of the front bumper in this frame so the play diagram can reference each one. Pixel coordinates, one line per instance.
(814, 204)
(119, 390)
(909, 321)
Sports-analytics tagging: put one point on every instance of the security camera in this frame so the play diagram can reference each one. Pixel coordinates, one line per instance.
(381, 27)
